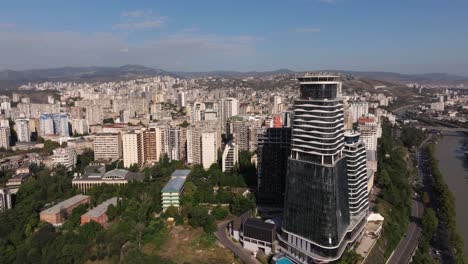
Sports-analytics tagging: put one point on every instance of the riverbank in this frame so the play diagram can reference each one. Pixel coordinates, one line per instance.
(441, 156)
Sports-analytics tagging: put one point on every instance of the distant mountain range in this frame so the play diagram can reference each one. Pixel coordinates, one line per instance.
(81, 73)
(11, 77)
(232, 73)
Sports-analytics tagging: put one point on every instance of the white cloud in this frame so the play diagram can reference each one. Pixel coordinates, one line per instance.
(139, 25)
(139, 20)
(181, 51)
(307, 29)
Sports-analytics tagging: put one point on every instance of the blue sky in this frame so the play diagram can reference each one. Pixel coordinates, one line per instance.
(408, 36)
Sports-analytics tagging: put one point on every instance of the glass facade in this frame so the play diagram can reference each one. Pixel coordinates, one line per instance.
(274, 148)
(316, 204)
(317, 223)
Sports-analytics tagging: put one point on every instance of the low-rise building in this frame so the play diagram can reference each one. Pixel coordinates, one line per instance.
(258, 235)
(56, 214)
(96, 175)
(253, 234)
(98, 213)
(21, 175)
(173, 189)
(64, 156)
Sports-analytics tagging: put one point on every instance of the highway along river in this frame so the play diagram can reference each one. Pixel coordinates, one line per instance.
(450, 151)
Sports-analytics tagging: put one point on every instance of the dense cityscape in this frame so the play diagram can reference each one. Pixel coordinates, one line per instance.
(231, 155)
(237, 132)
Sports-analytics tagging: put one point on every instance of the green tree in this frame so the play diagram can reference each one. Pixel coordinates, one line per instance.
(220, 213)
(84, 159)
(49, 146)
(172, 211)
(89, 230)
(241, 204)
(111, 212)
(134, 168)
(429, 223)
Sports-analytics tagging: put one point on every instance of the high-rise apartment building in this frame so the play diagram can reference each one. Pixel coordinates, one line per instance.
(203, 142)
(94, 114)
(107, 147)
(54, 124)
(357, 110)
(133, 148)
(160, 140)
(209, 148)
(229, 108)
(193, 145)
(230, 156)
(277, 101)
(22, 130)
(243, 133)
(5, 135)
(124, 116)
(369, 129)
(151, 140)
(195, 111)
(317, 225)
(175, 143)
(274, 148)
(79, 126)
(355, 152)
(181, 99)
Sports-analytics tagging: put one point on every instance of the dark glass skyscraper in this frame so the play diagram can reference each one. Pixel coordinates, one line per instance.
(274, 147)
(317, 225)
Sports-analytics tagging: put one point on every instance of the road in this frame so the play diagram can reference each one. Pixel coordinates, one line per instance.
(240, 252)
(410, 241)
(401, 108)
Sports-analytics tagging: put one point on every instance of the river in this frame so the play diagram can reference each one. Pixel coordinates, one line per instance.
(454, 166)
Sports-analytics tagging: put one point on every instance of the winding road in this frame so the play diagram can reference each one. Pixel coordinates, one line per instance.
(243, 254)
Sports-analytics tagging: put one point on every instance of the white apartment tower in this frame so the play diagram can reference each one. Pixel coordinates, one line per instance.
(202, 145)
(22, 130)
(358, 109)
(230, 108)
(181, 99)
(209, 148)
(230, 156)
(277, 100)
(369, 130)
(132, 148)
(5, 137)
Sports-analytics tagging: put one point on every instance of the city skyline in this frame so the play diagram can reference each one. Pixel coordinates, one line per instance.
(397, 36)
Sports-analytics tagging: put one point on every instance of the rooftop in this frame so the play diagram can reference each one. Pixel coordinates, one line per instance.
(257, 223)
(183, 173)
(65, 204)
(117, 173)
(102, 208)
(175, 184)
